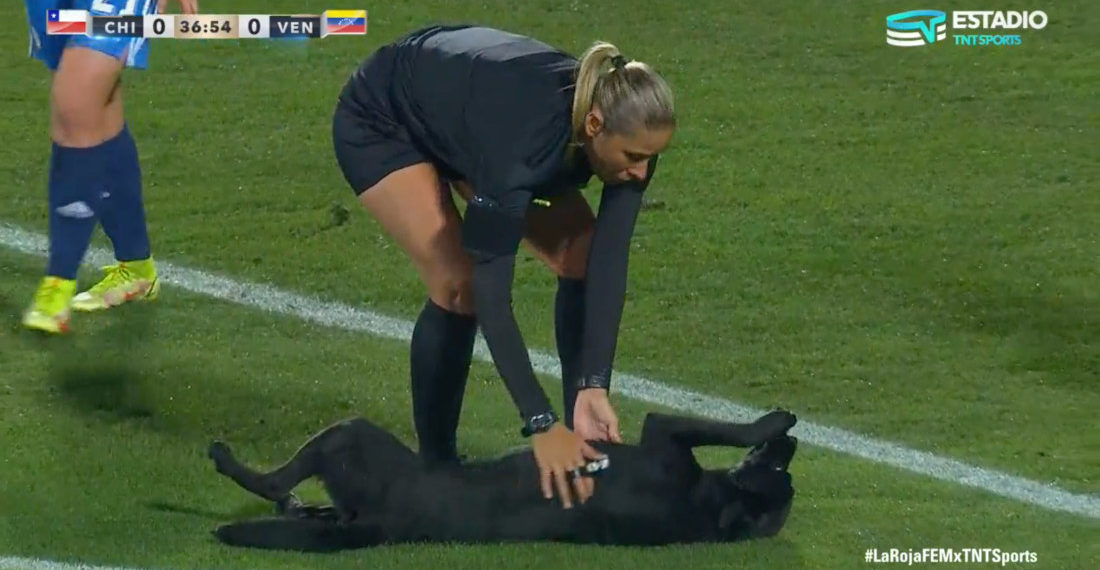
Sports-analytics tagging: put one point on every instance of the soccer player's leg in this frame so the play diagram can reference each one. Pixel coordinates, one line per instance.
(86, 127)
(122, 211)
(73, 171)
(81, 130)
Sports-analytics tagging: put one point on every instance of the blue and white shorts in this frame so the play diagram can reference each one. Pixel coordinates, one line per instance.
(133, 51)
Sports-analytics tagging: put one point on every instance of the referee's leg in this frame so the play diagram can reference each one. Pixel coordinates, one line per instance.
(560, 236)
(416, 209)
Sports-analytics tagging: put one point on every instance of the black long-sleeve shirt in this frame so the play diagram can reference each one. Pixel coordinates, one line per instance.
(493, 108)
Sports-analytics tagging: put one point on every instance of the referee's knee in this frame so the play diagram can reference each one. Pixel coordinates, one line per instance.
(569, 270)
(571, 261)
(454, 295)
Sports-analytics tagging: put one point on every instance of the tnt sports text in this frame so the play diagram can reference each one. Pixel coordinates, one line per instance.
(987, 40)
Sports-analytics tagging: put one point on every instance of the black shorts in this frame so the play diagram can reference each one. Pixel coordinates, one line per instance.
(367, 152)
(369, 142)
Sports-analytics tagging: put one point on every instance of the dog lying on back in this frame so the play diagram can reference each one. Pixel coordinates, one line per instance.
(652, 493)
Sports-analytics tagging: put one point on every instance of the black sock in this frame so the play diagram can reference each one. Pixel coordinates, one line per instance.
(442, 345)
(568, 332)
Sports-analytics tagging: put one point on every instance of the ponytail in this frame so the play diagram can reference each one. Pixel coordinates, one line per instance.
(629, 94)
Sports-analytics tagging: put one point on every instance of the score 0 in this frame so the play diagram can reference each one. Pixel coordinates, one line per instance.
(254, 26)
(159, 26)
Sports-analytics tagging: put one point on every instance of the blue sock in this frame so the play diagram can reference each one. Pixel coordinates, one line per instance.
(123, 213)
(75, 187)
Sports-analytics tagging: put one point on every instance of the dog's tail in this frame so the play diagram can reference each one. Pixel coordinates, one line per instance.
(303, 535)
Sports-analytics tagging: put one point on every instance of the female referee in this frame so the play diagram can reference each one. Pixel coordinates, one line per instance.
(516, 127)
(94, 172)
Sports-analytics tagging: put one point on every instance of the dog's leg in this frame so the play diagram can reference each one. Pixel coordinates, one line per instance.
(273, 486)
(365, 467)
(307, 462)
(660, 429)
(358, 462)
(303, 535)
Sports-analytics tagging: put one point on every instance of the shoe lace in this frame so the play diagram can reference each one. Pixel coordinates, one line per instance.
(113, 276)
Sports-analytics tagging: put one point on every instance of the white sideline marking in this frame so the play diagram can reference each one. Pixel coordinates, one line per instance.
(17, 563)
(350, 318)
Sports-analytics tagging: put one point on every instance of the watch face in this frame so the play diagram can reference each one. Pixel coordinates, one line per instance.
(539, 423)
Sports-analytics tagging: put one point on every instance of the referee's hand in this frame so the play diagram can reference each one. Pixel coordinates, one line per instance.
(558, 452)
(593, 417)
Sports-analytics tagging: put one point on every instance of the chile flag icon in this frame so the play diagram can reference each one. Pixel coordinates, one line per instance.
(66, 22)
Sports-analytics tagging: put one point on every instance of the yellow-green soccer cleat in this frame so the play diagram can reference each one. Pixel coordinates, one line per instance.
(122, 282)
(49, 311)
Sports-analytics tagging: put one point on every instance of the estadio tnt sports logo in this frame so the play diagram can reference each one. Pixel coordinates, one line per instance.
(924, 27)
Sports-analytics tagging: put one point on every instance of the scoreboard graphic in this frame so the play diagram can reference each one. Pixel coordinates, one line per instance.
(207, 26)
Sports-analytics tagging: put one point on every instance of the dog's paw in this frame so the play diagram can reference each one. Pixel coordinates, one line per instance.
(289, 506)
(775, 423)
(221, 455)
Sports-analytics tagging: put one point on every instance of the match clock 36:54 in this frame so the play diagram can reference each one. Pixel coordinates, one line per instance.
(199, 26)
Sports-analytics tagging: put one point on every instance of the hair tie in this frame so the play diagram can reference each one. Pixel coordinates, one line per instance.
(618, 61)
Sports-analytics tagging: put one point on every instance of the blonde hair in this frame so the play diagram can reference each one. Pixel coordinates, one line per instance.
(630, 95)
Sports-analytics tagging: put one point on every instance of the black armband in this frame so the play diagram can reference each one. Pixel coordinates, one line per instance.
(599, 380)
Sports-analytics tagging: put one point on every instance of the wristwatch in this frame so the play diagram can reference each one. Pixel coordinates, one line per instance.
(538, 424)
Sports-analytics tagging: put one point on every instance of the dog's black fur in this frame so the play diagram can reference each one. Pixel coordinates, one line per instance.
(653, 493)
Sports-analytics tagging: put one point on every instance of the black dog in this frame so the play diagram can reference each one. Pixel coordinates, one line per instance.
(652, 493)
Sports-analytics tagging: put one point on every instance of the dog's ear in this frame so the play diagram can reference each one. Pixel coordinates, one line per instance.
(771, 522)
(761, 508)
